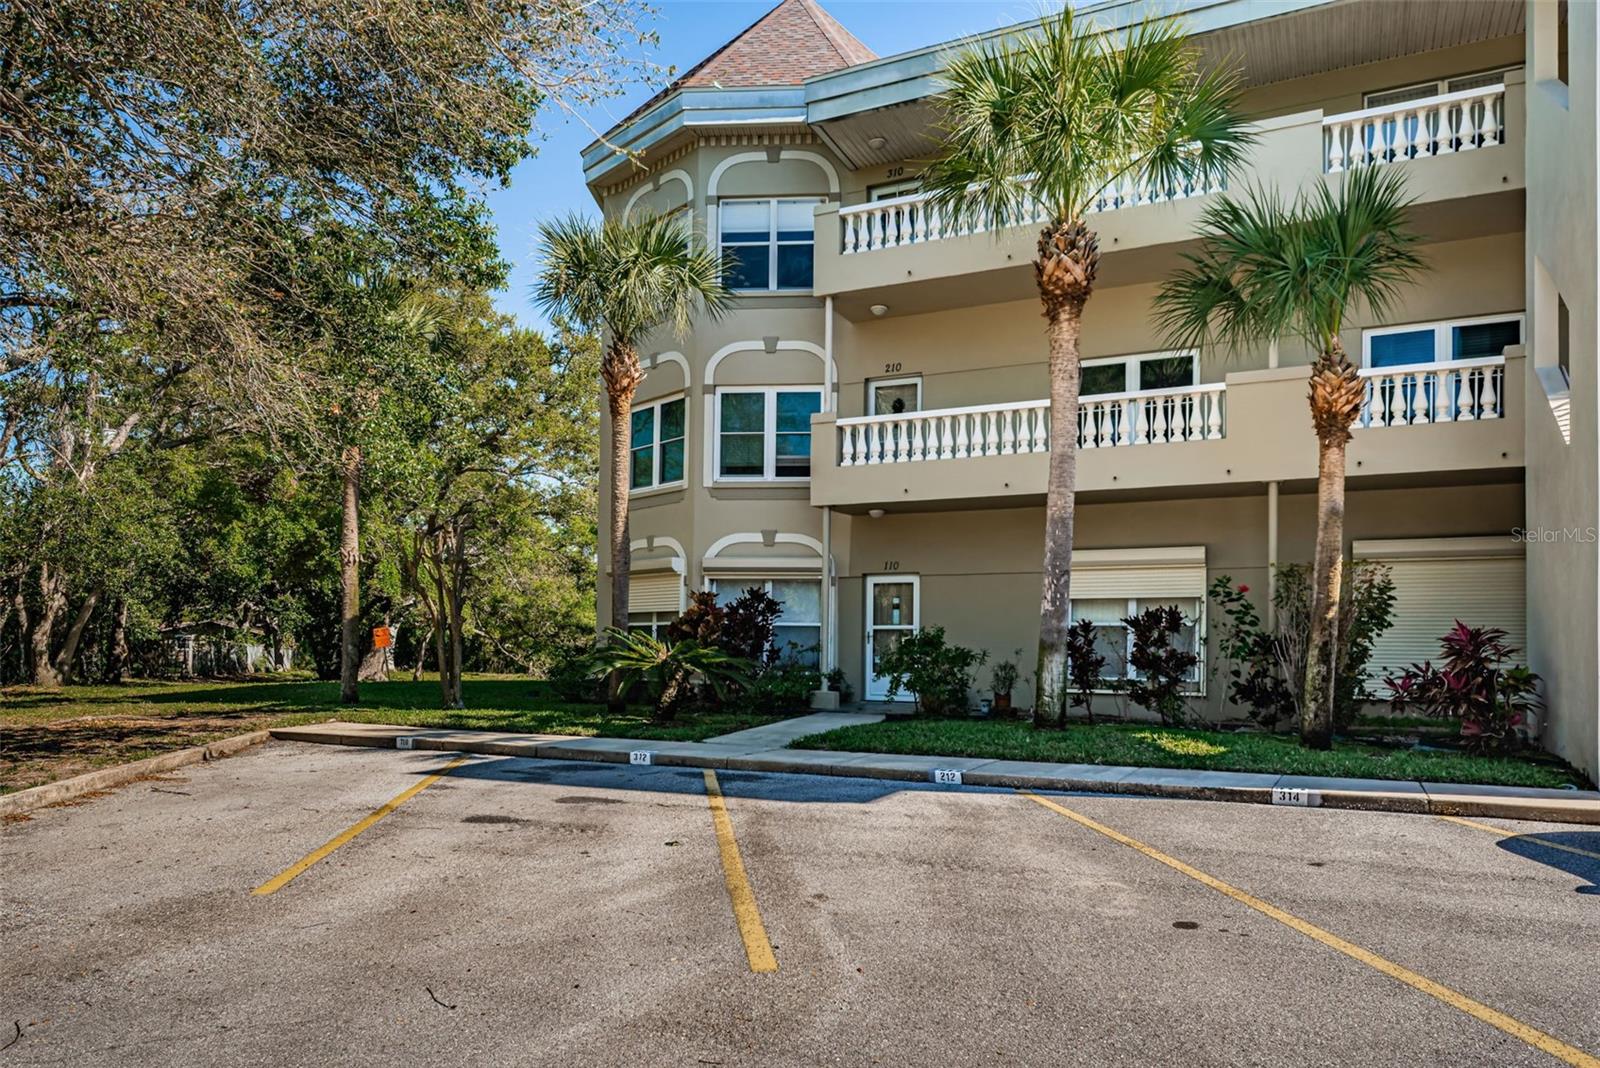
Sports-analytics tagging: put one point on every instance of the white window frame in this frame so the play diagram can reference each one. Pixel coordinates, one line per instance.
(656, 628)
(655, 444)
(898, 380)
(773, 243)
(744, 582)
(769, 433)
(1441, 335)
(1437, 86)
(1131, 362)
(1131, 605)
(900, 187)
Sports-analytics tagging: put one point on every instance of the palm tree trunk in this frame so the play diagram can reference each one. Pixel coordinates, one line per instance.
(1327, 575)
(1060, 511)
(622, 373)
(350, 577)
(1069, 255)
(1335, 397)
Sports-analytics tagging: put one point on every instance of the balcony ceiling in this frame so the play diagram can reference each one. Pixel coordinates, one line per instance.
(1313, 40)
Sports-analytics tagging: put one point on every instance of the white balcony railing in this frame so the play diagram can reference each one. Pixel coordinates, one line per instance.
(908, 220)
(1456, 392)
(1435, 126)
(1112, 420)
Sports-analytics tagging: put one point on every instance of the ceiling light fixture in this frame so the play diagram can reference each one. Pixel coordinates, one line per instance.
(877, 142)
(876, 513)
(880, 310)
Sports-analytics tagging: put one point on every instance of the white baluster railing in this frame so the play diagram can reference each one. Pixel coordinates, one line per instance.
(1105, 421)
(909, 220)
(1456, 392)
(1435, 126)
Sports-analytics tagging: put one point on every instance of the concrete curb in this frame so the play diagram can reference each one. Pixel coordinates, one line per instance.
(53, 793)
(1442, 799)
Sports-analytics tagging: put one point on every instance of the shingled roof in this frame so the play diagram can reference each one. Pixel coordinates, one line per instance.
(794, 41)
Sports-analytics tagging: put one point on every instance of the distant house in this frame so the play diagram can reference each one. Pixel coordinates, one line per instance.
(213, 647)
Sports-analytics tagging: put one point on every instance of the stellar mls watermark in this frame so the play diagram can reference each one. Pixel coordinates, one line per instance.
(1555, 535)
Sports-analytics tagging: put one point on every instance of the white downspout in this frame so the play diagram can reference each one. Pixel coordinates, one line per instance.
(1272, 553)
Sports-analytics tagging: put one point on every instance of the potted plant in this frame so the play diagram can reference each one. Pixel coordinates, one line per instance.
(1002, 680)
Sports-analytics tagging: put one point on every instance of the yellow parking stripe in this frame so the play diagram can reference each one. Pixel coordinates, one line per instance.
(289, 874)
(756, 947)
(1516, 1028)
(1522, 837)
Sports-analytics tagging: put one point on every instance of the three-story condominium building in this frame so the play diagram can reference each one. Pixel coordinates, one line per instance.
(866, 434)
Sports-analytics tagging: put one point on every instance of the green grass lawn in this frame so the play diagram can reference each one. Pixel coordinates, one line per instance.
(1162, 747)
(51, 734)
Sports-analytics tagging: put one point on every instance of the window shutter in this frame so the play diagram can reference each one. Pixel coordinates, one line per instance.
(1431, 594)
(1139, 573)
(657, 592)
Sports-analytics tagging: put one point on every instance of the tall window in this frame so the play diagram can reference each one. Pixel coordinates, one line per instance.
(798, 633)
(1441, 342)
(656, 444)
(1114, 640)
(765, 432)
(768, 244)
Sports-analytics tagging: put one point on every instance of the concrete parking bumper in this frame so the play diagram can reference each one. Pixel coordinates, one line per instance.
(760, 750)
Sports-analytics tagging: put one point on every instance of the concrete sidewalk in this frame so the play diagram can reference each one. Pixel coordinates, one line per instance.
(761, 749)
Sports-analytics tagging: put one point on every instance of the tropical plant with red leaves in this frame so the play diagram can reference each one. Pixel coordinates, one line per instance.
(1477, 683)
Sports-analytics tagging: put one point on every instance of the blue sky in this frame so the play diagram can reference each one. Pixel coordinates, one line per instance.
(551, 183)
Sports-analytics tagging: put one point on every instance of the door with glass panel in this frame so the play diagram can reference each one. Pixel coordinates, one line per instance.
(892, 613)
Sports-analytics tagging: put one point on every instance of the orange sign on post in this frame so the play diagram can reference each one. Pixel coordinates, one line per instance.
(381, 638)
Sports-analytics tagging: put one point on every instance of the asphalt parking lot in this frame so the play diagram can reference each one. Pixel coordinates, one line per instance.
(308, 905)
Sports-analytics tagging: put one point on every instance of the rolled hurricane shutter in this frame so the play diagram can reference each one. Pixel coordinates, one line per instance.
(660, 591)
(1179, 573)
(1434, 587)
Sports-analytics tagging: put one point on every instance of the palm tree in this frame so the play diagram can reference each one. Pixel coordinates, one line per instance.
(1266, 269)
(626, 279)
(1037, 129)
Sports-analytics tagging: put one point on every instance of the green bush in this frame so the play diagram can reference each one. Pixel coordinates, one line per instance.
(783, 687)
(666, 668)
(935, 672)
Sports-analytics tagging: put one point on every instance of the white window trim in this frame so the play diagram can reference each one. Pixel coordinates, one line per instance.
(772, 240)
(1440, 86)
(899, 380)
(1132, 360)
(656, 485)
(900, 187)
(1441, 335)
(769, 435)
(1132, 606)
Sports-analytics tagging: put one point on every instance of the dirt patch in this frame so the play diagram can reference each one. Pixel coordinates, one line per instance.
(33, 753)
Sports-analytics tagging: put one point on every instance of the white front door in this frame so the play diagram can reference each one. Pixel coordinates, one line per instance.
(892, 613)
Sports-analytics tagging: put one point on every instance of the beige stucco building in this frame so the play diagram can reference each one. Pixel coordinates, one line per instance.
(865, 433)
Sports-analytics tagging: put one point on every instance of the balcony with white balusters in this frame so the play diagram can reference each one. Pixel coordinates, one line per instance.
(902, 253)
(1419, 424)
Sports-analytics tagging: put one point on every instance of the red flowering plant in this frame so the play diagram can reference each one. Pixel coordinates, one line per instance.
(1477, 683)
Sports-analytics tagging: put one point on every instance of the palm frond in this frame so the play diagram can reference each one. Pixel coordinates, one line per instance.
(1267, 269)
(628, 277)
(1047, 119)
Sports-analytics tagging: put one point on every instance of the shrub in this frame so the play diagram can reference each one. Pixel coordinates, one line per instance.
(1366, 610)
(841, 686)
(1160, 669)
(1476, 685)
(573, 678)
(666, 668)
(747, 626)
(1003, 676)
(935, 672)
(703, 621)
(1085, 663)
(783, 687)
(1255, 674)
